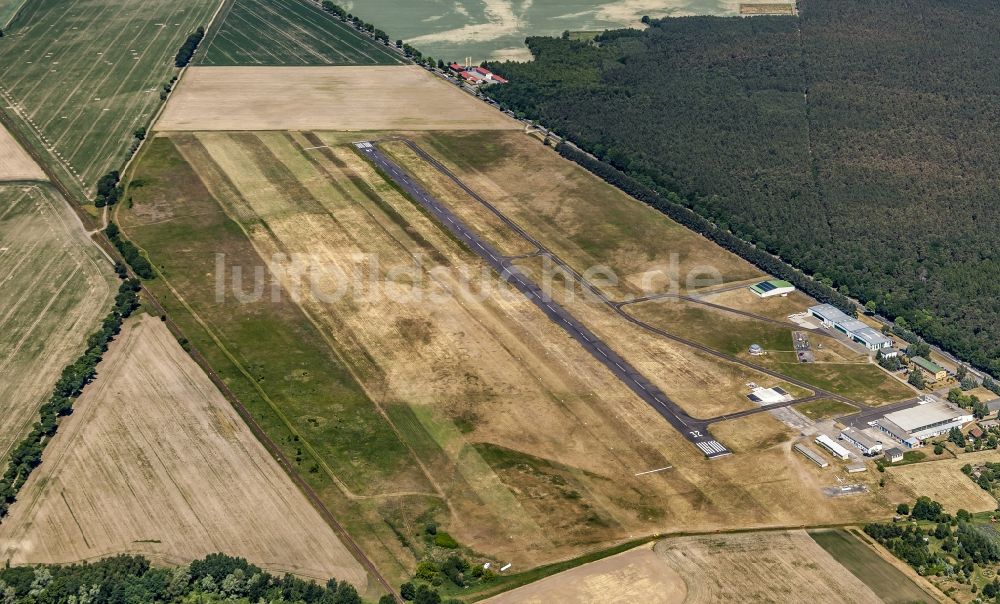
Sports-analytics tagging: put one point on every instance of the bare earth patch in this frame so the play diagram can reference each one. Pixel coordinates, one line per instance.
(15, 163)
(324, 98)
(155, 461)
(943, 481)
(638, 575)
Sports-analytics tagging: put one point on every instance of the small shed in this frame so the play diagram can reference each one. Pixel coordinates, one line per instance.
(894, 455)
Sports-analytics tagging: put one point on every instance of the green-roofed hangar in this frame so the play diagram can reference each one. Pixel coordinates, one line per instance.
(772, 287)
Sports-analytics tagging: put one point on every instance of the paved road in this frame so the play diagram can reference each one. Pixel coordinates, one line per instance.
(694, 430)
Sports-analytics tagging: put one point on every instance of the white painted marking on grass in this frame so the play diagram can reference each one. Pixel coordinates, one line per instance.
(654, 471)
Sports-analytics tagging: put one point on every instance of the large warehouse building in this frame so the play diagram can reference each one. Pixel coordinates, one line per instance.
(831, 316)
(914, 425)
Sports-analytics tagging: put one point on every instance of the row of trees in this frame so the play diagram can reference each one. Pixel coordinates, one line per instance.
(130, 252)
(187, 49)
(343, 15)
(28, 453)
(868, 170)
(216, 578)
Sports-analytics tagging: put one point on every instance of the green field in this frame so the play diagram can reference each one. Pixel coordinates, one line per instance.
(83, 76)
(823, 409)
(8, 8)
(862, 382)
(289, 32)
(56, 287)
(882, 577)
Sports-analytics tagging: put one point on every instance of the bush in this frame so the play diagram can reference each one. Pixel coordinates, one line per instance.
(443, 539)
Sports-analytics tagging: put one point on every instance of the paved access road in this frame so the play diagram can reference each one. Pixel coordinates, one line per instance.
(694, 430)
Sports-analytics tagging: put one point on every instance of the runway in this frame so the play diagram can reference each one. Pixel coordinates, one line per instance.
(694, 430)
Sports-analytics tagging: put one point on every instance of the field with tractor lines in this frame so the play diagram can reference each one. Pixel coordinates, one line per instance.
(155, 461)
(290, 32)
(83, 76)
(55, 288)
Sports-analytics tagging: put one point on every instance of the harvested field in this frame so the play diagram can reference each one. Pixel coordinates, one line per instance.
(324, 98)
(585, 221)
(638, 575)
(55, 289)
(155, 461)
(761, 567)
(456, 403)
(15, 163)
(84, 76)
(892, 585)
(289, 32)
(943, 481)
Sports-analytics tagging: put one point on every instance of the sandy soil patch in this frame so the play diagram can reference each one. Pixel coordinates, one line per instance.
(943, 481)
(15, 163)
(761, 567)
(324, 98)
(155, 461)
(638, 575)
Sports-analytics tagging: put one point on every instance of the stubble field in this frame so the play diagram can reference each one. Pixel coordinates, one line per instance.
(470, 408)
(943, 481)
(155, 461)
(761, 567)
(324, 98)
(84, 76)
(15, 163)
(55, 288)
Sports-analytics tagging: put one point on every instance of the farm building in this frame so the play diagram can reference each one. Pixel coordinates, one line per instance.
(811, 455)
(866, 444)
(916, 424)
(932, 369)
(831, 316)
(832, 446)
(894, 455)
(773, 287)
(476, 75)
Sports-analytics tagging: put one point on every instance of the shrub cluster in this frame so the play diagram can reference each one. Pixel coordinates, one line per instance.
(108, 191)
(28, 453)
(187, 49)
(132, 255)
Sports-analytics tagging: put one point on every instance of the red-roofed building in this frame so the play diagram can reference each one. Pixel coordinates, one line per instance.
(456, 67)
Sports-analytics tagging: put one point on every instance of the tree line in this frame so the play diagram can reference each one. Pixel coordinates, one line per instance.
(871, 170)
(75, 376)
(187, 49)
(129, 251)
(126, 579)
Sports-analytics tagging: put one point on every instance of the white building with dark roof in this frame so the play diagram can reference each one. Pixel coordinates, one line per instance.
(864, 443)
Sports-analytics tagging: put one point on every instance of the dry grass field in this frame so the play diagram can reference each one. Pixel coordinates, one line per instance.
(761, 567)
(324, 98)
(155, 461)
(943, 481)
(638, 575)
(15, 163)
(473, 409)
(583, 220)
(54, 289)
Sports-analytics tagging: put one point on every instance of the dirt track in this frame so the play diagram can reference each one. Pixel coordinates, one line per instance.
(155, 461)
